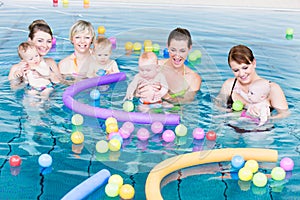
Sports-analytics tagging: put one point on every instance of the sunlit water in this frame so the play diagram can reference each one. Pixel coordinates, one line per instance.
(28, 129)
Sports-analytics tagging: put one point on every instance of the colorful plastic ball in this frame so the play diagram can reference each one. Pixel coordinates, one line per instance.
(168, 136)
(237, 162)
(192, 57)
(116, 179)
(112, 189)
(252, 165)
(77, 137)
(157, 127)
(128, 106)
(15, 161)
(128, 46)
(124, 133)
(126, 192)
(211, 135)
(289, 31)
(278, 173)
(260, 179)
(148, 48)
(102, 146)
(156, 47)
(118, 137)
(198, 133)
(289, 37)
(53, 41)
(237, 105)
(147, 43)
(181, 130)
(65, 1)
(198, 53)
(45, 160)
(245, 174)
(137, 46)
(112, 127)
(166, 53)
(95, 94)
(110, 136)
(101, 30)
(113, 40)
(114, 145)
(111, 120)
(143, 134)
(77, 119)
(287, 164)
(128, 126)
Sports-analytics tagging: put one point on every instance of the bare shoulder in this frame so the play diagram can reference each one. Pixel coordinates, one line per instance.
(162, 62)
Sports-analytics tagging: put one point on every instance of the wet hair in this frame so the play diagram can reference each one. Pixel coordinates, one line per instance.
(241, 54)
(180, 34)
(38, 25)
(102, 43)
(148, 56)
(23, 47)
(81, 26)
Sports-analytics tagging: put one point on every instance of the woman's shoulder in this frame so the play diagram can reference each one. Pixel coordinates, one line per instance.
(162, 62)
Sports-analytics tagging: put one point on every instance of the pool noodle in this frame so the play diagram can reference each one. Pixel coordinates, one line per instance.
(136, 117)
(88, 186)
(172, 164)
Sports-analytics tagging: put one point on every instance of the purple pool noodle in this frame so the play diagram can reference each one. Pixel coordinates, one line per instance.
(135, 117)
(88, 186)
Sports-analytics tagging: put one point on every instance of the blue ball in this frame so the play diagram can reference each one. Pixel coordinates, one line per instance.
(237, 162)
(166, 53)
(95, 94)
(118, 137)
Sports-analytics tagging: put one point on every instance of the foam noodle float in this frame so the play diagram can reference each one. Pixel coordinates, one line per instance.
(170, 165)
(120, 115)
(88, 186)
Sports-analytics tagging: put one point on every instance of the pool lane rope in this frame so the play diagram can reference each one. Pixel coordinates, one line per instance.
(172, 164)
(88, 186)
(102, 113)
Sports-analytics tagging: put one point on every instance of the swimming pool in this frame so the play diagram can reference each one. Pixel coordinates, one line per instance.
(214, 32)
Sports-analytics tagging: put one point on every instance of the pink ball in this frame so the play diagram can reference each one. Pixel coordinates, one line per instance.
(168, 136)
(143, 134)
(113, 40)
(157, 127)
(198, 133)
(124, 133)
(129, 126)
(287, 164)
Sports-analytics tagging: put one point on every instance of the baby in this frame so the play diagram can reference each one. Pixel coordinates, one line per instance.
(103, 64)
(149, 72)
(259, 106)
(36, 72)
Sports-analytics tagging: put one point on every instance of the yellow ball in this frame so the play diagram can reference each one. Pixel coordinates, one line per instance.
(110, 128)
(101, 30)
(181, 130)
(112, 190)
(77, 137)
(102, 146)
(86, 1)
(128, 46)
(198, 53)
(114, 145)
(148, 48)
(147, 43)
(260, 179)
(116, 179)
(111, 120)
(137, 46)
(65, 1)
(245, 174)
(278, 174)
(77, 119)
(252, 165)
(126, 191)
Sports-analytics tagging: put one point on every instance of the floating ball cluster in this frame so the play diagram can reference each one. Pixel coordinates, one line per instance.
(116, 187)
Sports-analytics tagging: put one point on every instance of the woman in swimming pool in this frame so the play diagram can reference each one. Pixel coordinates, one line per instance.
(183, 82)
(40, 35)
(243, 64)
(77, 64)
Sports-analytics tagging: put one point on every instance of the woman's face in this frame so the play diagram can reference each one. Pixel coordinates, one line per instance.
(243, 72)
(178, 51)
(82, 41)
(43, 42)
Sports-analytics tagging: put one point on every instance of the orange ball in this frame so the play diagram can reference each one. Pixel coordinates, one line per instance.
(126, 191)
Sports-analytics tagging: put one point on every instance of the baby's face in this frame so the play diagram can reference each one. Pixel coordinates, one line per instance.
(102, 55)
(148, 71)
(32, 57)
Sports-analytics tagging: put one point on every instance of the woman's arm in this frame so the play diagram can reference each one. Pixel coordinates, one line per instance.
(278, 101)
(55, 76)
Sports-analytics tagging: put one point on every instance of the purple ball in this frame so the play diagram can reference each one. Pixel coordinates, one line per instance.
(157, 127)
(143, 134)
(198, 133)
(124, 133)
(168, 136)
(128, 126)
(287, 164)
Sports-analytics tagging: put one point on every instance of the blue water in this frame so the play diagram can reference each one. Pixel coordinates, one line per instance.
(28, 130)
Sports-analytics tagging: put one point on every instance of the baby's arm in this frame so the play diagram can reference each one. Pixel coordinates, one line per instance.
(132, 87)
(18, 71)
(113, 67)
(264, 114)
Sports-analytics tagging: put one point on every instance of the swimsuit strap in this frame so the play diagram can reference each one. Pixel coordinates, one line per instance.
(75, 64)
(233, 86)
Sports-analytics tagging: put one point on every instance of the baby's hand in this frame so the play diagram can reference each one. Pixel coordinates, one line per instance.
(156, 86)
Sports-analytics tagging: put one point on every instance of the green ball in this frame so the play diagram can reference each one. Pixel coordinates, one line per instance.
(181, 130)
(278, 174)
(192, 57)
(156, 47)
(128, 106)
(289, 31)
(112, 189)
(237, 105)
(198, 53)
(260, 179)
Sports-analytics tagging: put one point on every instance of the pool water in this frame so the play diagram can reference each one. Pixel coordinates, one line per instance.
(29, 129)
